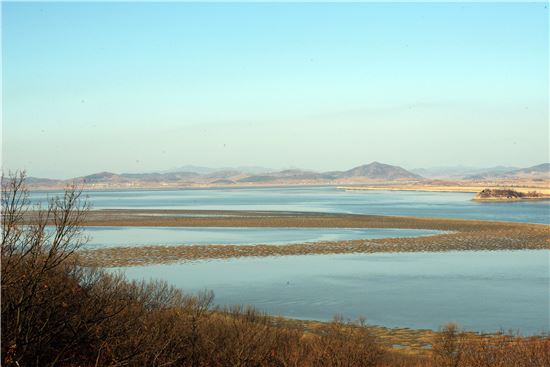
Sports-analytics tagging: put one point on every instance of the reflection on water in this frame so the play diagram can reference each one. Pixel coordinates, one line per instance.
(323, 199)
(484, 291)
(139, 236)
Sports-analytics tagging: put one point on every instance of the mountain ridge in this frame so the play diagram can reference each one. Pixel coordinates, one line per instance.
(374, 172)
(539, 171)
(370, 171)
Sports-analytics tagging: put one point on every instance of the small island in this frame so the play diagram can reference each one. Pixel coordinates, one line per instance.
(508, 195)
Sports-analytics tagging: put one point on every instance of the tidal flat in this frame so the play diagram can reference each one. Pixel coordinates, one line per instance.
(459, 235)
(478, 242)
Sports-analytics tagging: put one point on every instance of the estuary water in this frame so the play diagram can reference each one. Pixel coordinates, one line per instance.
(481, 290)
(322, 199)
(101, 237)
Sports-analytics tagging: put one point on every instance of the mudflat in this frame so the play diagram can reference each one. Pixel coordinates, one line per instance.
(459, 235)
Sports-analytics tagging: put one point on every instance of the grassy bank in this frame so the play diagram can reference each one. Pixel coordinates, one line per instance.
(74, 316)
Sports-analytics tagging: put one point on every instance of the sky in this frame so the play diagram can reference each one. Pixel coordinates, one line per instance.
(138, 87)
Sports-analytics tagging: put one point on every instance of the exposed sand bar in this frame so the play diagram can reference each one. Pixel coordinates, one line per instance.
(463, 235)
(285, 219)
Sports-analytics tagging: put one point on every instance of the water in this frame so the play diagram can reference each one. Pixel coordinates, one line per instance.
(140, 236)
(483, 291)
(323, 199)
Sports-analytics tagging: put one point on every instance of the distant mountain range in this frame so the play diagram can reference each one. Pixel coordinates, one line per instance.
(460, 172)
(538, 172)
(231, 176)
(541, 171)
(206, 170)
(374, 172)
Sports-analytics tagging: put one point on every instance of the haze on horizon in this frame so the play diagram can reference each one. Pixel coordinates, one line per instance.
(137, 87)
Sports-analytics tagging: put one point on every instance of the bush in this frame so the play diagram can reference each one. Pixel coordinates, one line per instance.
(58, 313)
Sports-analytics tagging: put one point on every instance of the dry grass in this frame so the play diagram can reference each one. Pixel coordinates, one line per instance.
(525, 184)
(55, 312)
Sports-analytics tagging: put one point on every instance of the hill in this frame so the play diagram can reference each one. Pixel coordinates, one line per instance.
(376, 170)
(538, 172)
(207, 170)
(462, 172)
(287, 176)
(364, 173)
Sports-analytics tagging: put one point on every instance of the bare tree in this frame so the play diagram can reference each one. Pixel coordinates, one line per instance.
(58, 313)
(448, 346)
(37, 243)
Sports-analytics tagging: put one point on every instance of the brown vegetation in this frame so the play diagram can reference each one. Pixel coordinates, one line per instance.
(453, 348)
(57, 313)
(507, 194)
(467, 185)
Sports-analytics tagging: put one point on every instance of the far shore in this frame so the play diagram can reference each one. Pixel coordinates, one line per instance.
(497, 200)
(466, 189)
(372, 185)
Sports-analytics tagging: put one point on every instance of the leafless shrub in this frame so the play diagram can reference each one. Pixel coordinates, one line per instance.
(58, 313)
(36, 273)
(447, 348)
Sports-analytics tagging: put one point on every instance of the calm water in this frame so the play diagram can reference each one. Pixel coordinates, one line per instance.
(136, 236)
(324, 199)
(483, 291)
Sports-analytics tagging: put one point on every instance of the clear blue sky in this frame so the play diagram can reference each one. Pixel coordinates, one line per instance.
(133, 87)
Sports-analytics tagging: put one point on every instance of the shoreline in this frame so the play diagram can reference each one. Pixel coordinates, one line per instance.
(466, 235)
(466, 187)
(400, 339)
(493, 200)
(462, 189)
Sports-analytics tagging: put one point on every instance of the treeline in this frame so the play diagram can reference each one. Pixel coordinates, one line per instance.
(57, 313)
